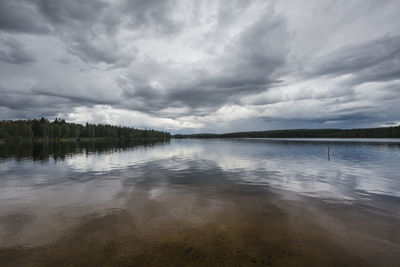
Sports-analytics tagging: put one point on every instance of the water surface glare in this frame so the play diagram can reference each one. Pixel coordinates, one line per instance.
(233, 202)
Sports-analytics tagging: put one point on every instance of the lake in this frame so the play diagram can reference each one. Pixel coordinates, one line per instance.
(232, 202)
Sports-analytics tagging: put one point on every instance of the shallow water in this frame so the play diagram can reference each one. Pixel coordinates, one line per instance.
(233, 202)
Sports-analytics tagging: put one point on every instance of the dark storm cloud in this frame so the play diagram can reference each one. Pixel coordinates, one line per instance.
(375, 61)
(75, 100)
(23, 105)
(175, 59)
(14, 52)
(21, 17)
(246, 66)
(88, 29)
(25, 101)
(37, 102)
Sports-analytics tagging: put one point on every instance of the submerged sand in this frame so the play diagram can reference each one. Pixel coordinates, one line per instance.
(251, 229)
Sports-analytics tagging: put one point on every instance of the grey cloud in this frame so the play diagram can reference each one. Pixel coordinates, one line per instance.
(65, 12)
(120, 53)
(76, 99)
(230, 10)
(14, 52)
(247, 66)
(152, 16)
(89, 30)
(377, 60)
(21, 17)
(22, 106)
(96, 49)
(39, 103)
(23, 101)
(33, 113)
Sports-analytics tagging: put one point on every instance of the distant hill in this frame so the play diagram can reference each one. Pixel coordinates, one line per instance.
(384, 132)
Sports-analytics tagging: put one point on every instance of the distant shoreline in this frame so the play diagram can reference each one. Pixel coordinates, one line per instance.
(383, 132)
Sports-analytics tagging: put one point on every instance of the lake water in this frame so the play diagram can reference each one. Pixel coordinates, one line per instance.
(232, 202)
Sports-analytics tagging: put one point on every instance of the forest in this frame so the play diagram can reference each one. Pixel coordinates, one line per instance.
(383, 132)
(60, 129)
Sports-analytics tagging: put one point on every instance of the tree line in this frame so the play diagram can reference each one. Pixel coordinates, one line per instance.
(384, 132)
(45, 129)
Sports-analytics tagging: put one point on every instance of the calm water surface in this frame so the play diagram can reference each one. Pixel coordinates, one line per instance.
(233, 202)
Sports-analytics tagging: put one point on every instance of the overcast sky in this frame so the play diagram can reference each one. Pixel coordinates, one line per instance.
(202, 66)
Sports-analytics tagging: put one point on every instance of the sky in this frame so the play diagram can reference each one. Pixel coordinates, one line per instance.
(202, 66)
